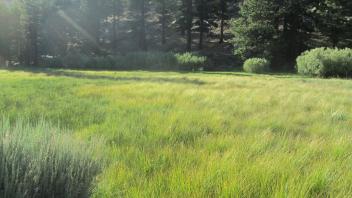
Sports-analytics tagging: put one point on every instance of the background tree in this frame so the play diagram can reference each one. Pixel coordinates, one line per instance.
(334, 20)
(117, 12)
(5, 32)
(205, 18)
(189, 23)
(276, 30)
(225, 10)
(255, 31)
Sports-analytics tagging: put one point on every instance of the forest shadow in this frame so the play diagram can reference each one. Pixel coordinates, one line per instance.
(228, 74)
(81, 75)
(271, 74)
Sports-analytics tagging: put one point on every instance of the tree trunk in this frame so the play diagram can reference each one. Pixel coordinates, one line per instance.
(183, 21)
(222, 22)
(31, 51)
(114, 32)
(189, 24)
(201, 33)
(201, 24)
(27, 50)
(93, 26)
(142, 36)
(335, 38)
(34, 40)
(97, 35)
(163, 22)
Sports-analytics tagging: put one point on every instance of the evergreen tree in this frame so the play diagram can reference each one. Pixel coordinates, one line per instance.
(276, 30)
(205, 18)
(225, 10)
(189, 23)
(255, 31)
(334, 20)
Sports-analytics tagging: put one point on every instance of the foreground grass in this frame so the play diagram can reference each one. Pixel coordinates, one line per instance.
(42, 161)
(198, 135)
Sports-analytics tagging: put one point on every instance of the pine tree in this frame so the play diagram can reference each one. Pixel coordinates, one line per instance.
(334, 20)
(205, 18)
(255, 31)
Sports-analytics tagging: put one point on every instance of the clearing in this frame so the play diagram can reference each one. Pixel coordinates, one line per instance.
(198, 134)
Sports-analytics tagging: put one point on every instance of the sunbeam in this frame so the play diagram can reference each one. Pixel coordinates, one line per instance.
(81, 30)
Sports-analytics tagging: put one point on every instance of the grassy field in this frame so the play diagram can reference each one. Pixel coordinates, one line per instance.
(197, 135)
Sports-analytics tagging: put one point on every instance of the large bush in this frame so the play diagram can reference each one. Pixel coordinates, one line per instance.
(326, 62)
(256, 65)
(42, 161)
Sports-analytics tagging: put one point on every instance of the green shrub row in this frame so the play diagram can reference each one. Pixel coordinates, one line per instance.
(42, 161)
(256, 65)
(326, 62)
(130, 61)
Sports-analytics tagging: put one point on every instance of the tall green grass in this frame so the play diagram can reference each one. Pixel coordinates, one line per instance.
(43, 161)
(197, 134)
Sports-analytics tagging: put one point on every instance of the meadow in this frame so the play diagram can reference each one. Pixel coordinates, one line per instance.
(168, 134)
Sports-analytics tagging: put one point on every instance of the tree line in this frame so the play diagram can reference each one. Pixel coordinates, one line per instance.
(33, 28)
(278, 30)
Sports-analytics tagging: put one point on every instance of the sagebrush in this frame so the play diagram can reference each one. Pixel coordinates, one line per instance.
(326, 62)
(43, 161)
(256, 65)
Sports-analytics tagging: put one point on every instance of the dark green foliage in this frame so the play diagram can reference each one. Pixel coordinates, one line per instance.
(130, 61)
(281, 30)
(51, 62)
(75, 60)
(99, 62)
(254, 31)
(326, 62)
(158, 61)
(333, 19)
(277, 30)
(205, 19)
(256, 65)
(145, 60)
(42, 161)
(225, 10)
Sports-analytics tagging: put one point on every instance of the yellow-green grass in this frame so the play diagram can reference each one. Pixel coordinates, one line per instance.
(198, 134)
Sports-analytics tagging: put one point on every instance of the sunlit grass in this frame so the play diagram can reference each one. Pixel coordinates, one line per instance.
(199, 134)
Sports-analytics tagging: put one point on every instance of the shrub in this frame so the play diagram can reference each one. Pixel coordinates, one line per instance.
(151, 60)
(99, 62)
(41, 161)
(158, 61)
(75, 60)
(51, 61)
(326, 62)
(256, 65)
(188, 61)
(130, 61)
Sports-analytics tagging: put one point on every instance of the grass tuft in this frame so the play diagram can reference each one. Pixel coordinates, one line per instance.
(43, 161)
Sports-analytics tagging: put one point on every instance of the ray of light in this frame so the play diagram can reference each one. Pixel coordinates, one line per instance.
(69, 20)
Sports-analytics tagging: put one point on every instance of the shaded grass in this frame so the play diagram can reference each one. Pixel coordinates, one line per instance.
(233, 135)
